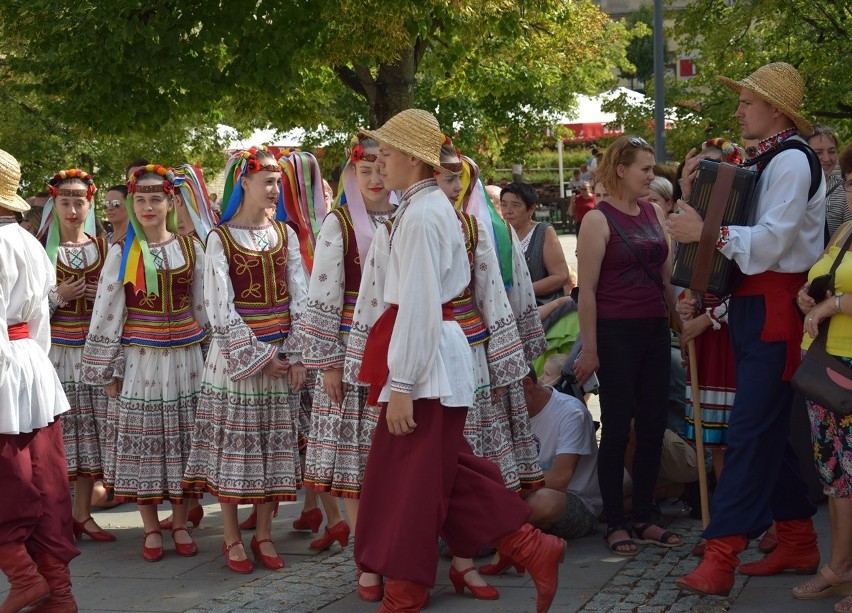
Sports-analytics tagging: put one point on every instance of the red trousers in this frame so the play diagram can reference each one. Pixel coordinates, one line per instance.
(426, 484)
(36, 508)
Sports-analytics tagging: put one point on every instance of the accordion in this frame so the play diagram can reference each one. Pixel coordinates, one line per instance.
(722, 194)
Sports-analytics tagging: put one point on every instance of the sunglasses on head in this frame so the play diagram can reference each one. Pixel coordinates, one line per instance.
(113, 204)
(636, 141)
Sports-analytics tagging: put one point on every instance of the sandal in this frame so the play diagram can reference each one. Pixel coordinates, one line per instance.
(844, 606)
(837, 586)
(628, 542)
(663, 541)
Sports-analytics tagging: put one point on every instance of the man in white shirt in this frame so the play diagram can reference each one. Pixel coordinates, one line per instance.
(422, 479)
(761, 480)
(570, 501)
(36, 538)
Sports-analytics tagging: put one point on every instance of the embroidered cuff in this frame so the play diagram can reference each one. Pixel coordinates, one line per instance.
(399, 386)
(714, 320)
(724, 237)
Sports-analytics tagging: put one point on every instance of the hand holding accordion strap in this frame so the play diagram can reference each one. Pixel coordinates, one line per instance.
(821, 377)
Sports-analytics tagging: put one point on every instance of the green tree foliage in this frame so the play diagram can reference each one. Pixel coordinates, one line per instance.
(499, 69)
(640, 51)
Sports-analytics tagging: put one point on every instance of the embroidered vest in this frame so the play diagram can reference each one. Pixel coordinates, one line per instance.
(259, 279)
(166, 320)
(69, 324)
(464, 308)
(351, 268)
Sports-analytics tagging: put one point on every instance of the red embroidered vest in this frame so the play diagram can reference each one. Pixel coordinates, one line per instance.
(259, 279)
(351, 268)
(69, 324)
(166, 320)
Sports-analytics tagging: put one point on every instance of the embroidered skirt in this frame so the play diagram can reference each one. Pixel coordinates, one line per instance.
(339, 441)
(156, 414)
(245, 443)
(717, 385)
(83, 427)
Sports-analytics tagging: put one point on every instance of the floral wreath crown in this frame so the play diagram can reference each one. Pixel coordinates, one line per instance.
(253, 165)
(356, 153)
(453, 167)
(74, 173)
(168, 185)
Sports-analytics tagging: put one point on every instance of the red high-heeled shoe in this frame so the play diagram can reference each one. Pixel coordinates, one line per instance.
(194, 517)
(492, 570)
(250, 522)
(370, 593)
(96, 535)
(309, 520)
(275, 562)
(152, 554)
(480, 592)
(338, 532)
(242, 567)
(186, 550)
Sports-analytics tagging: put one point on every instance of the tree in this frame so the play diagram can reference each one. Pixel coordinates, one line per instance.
(640, 51)
(325, 65)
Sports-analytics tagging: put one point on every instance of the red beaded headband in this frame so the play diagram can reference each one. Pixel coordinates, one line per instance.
(168, 185)
(73, 173)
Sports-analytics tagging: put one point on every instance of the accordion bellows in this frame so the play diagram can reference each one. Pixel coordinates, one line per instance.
(723, 194)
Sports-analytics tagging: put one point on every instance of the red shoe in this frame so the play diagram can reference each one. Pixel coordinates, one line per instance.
(59, 580)
(768, 543)
(480, 592)
(715, 575)
(338, 532)
(309, 520)
(250, 522)
(152, 554)
(242, 567)
(796, 551)
(698, 551)
(404, 596)
(275, 562)
(194, 517)
(493, 570)
(186, 550)
(370, 593)
(28, 586)
(541, 554)
(95, 535)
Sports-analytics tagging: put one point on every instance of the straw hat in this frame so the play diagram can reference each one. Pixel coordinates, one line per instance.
(780, 85)
(10, 179)
(414, 132)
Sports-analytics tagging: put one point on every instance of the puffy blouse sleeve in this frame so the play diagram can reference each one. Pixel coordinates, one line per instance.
(297, 281)
(323, 346)
(198, 310)
(524, 306)
(243, 352)
(103, 355)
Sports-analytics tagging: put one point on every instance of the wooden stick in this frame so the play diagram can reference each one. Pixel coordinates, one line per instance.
(699, 429)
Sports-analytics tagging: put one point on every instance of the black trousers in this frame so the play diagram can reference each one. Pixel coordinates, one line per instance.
(634, 373)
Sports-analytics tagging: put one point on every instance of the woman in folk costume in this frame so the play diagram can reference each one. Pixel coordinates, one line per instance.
(303, 206)
(487, 319)
(36, 542)
(68, 231)
(145, 348)
(341, 422)
(244, 447)
(195, 218)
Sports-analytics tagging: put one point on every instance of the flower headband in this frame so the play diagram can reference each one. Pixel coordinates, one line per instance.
(243, 163)
(168, 185)
(356, 153)
(452, 167)
(253, 165)
(64, 175)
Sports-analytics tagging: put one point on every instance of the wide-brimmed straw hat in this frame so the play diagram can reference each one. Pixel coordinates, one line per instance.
(780, 85)
(10, 179)
(414, 132)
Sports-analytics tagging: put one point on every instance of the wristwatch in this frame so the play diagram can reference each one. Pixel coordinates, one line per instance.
(837, 298)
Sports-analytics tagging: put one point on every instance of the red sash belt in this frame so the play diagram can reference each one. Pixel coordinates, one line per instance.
(783, 322)
(19, 331)
(374, 367)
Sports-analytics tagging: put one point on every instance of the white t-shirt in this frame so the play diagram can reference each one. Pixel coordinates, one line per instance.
(565, 425)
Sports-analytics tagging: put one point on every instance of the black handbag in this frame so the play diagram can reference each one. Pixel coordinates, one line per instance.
(822, 378)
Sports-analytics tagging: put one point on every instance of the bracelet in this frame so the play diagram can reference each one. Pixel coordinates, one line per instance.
(837, 307)
(714, 321)
(724, 237)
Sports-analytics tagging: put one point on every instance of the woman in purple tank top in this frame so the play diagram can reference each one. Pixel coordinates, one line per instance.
(624, 270)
